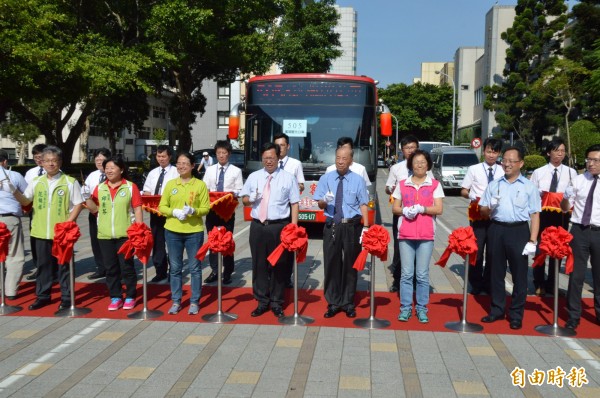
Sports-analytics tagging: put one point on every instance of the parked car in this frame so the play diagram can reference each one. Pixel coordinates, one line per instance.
(450, 165)
(428, 146)
(380, 161)
(237, 158)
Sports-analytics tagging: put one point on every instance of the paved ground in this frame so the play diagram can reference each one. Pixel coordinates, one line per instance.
(108, 358)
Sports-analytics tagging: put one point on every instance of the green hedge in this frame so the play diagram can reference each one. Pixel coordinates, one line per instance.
(533, 162)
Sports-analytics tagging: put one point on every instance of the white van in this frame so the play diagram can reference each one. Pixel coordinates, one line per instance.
(450, 165)
(428, 146)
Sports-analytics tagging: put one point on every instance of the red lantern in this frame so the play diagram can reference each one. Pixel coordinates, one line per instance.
(386, 124)
(234, 127)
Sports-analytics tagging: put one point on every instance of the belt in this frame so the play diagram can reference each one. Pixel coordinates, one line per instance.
(267, 222)
(8, 215)
(510, 224)
(354, 220)
(591, 227)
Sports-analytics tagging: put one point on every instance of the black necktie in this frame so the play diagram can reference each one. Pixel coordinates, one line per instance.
(554, 182)
(490, 175)
(587, 210)
(40, 171)
(281, 164)
(338, 212)
(160, 182)
(102, 177)
(221, 182)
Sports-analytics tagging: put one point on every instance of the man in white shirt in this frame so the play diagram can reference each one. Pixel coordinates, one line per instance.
(551, 180)
(36, 171)
(474, 184)
(354, 167)
(222, 177)
(205, 163)
(156, 180)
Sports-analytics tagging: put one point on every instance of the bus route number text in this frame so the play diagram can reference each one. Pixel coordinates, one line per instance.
(294, 128)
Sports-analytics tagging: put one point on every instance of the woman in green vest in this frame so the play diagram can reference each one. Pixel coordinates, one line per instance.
(116, 202)
(184, 201)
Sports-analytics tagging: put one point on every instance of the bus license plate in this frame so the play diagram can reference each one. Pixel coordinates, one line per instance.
(307, 216)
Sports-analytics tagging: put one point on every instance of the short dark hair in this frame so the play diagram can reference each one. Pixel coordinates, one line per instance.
(268, 146)
(345, 141)
(163, 148)
(3, 155)
(53, 150)
(102, 151)
(514, 148)
(419, 152)
(554, 144)
(593, 148)
(188, 155)
(409, 139)
(38, 148)
(223, 144)
(494, 143)
(282, 135)
(120, 163)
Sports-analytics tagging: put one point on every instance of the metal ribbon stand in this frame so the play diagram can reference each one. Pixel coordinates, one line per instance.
(72, 311)
(462, 325)
(6, 309)
(219, 316)
(371, 322)
(554, 329)
(296, 319)
(145, 313)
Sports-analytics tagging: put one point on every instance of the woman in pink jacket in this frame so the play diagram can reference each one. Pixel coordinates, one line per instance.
(418, 200)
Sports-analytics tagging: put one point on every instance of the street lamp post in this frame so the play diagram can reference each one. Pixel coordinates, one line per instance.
(397, 148)
(439, 72)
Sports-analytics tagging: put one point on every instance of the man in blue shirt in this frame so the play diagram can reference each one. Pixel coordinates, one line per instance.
(274, 195)
(343, 196)
(510, 202)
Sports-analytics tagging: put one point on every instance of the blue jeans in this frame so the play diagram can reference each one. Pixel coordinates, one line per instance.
(411, 250)
(176, 242)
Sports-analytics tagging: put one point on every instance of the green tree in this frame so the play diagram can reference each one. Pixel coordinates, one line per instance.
(534, 40)
(20, 133)
(583, 134)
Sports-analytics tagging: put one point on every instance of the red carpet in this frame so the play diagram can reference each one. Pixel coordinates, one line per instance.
(442, 308)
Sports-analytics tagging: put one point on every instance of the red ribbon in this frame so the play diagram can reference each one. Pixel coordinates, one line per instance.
(473, 211)
(375, 241)
(223, 204)
(461, 241)
(555, 243)
(4, 241)
(220, 240)
(65, 235)
(293, 239)
(139, 241)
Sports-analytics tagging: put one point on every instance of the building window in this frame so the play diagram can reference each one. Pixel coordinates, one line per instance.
(223, 117)
(143, 133)
(464, 86)
(159, 112)
(223, 90)
(95, 131)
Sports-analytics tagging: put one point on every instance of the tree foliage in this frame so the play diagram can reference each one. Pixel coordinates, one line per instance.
(584, 133)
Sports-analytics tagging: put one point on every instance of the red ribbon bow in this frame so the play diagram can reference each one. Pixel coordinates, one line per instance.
(139, 241)
(223, 204)
(293, 239)
(375, 241)
(220, 240)
(4, 240)
(461, 241)
(555, 243)
(65, 235)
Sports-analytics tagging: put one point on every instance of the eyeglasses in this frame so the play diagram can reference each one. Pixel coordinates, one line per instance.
(183, 164)
(422, 162)
(558, 150)
(508, 161)
(411, 147)
(592, 160)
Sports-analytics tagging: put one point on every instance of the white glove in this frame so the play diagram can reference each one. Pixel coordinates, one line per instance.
(254, 196)
(8, 186)
(329, 197)
(409, 212)
(365, 229)
(494, 202)
(187, 210)
(529, 249)
(85, 192)
(569, 192)
(419, 209)
(472, 196)
(179, 214)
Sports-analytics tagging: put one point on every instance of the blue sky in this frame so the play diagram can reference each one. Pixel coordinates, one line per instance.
(395, 36)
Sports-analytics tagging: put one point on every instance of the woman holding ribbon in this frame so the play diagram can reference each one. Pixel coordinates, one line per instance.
(417, 200)
(114, 200)
(184, 201)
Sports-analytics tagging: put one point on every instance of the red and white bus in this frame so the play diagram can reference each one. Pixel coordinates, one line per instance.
(314, 110)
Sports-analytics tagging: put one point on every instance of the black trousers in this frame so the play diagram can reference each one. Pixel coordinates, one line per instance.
(585, 245)
(340, 249)
(268, 282)
(118, 269)
(93, 223)
(506, 244)
(480, 276)
(159, 252)
(549, 219)
(46, 264)
(396, 264)
(212, 220)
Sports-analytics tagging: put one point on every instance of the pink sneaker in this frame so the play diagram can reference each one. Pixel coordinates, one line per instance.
(129, 304)
(115, 304)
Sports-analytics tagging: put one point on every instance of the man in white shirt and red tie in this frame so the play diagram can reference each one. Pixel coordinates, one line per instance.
(551, 180)
(274, 195)
(474, 184)
(222, 177)
(584, 196)
(156, 180)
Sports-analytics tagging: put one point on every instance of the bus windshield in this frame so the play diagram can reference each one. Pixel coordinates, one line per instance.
(314, 114)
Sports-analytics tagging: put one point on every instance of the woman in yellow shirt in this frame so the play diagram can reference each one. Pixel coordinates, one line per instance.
(184, 201)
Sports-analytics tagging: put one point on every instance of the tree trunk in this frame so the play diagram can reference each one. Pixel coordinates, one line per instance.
(567, 129)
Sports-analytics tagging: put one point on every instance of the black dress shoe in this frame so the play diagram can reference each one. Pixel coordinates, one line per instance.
(289, 284)
(211, 278)
(516, 324)
(278, 312)
(394, 289)
(259, 311)
(351, 313)
(331, 312)
(158, 278)
(476, 291)
(96, 275)
(10, 297)
(38, 303)
(226, 280)
(572, 324)
(64, 305)
(32, 276)
(492, 318)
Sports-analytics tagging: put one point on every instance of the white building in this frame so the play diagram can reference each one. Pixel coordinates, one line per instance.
(347, 29)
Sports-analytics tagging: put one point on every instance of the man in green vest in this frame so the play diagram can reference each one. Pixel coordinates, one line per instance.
(56, 198)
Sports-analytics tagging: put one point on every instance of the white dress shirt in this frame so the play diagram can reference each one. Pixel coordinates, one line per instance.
(284, 191)
(294, 167)
(152, 179)
(542, 177)
(33, 172)
(476, 180)
(8, 203)
(356, 168)
(581, 187)
(93, 180)
(232, 179)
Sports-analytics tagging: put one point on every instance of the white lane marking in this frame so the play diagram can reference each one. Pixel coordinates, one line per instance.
(242, 231)
(26, 369)
(583, 353)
